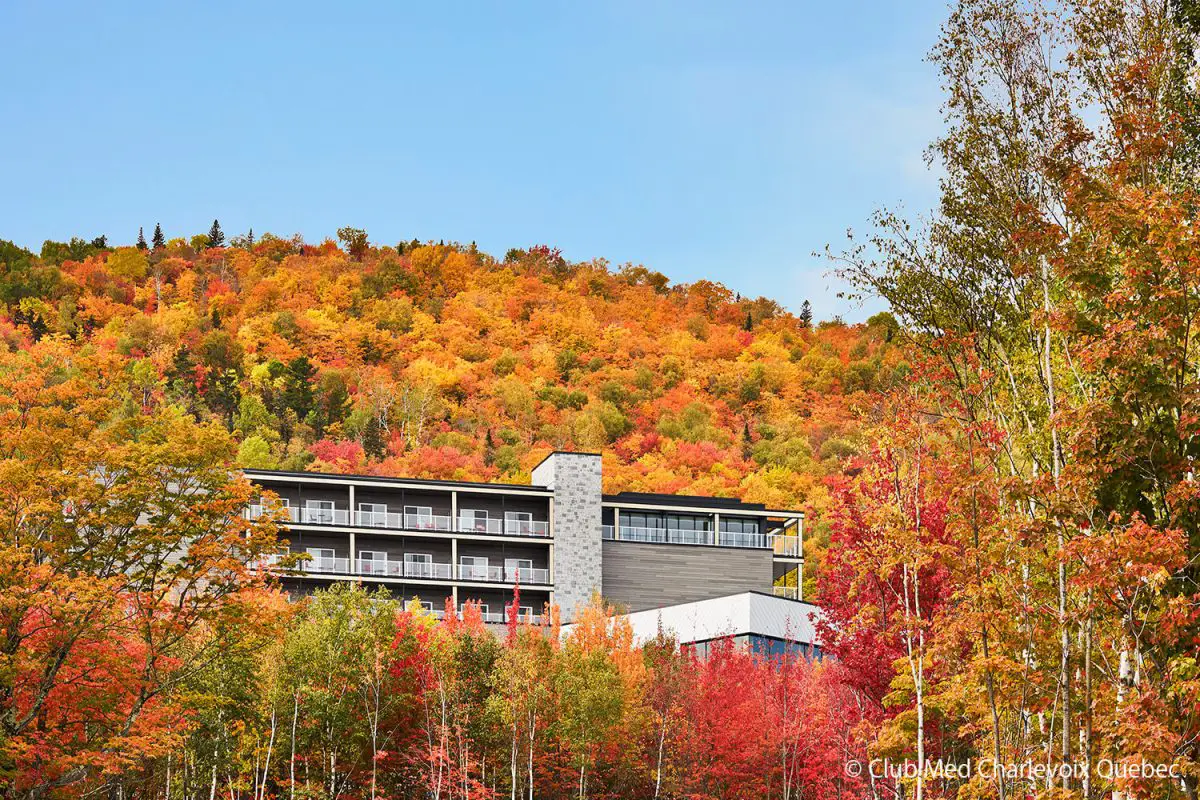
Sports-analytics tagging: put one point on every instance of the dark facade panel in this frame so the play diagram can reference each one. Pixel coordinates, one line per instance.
(644, 576)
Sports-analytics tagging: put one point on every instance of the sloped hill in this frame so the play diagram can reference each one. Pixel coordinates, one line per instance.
(437, 360)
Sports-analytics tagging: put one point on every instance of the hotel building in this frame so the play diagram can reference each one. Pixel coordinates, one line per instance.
(560, 538)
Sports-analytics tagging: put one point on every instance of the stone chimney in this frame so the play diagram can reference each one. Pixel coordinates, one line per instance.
(575, 522)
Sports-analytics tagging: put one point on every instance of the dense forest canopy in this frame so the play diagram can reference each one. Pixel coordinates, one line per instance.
(437, 360)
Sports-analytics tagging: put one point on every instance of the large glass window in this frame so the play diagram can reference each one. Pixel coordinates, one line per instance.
(739, 525)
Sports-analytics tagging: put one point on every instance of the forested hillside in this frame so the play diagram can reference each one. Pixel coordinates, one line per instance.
(438, 360)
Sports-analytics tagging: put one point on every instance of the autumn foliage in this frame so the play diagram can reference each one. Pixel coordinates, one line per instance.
(1004, 519)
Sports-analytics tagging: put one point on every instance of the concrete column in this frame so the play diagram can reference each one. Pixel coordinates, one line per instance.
(716, 528)
(353, 556)
(454, 511)
(350, 516)
(454, 571)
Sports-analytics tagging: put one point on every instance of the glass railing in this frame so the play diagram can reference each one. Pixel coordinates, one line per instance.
(430, 570)
(411, 522)
(494, 527)
(741, 539)
(479, 572)
(427, 570)
(781, 545)
(786, 545)
(527, 575)
(339, 566)
(421, 570)
(790, 592)
(526, 527)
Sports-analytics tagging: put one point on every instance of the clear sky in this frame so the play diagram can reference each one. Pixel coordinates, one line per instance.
(703, 139)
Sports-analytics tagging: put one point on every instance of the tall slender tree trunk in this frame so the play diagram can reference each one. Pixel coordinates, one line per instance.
(292, 759)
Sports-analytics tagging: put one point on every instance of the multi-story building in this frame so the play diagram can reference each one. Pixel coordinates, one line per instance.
(559, 538)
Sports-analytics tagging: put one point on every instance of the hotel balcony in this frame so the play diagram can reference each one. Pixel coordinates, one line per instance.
(416, 570)
(381, 520)
(782, 545)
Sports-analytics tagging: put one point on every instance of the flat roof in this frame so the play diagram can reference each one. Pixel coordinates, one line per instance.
(274, 474)
(631, 498)
(746, 613)
(680, 500)
(694, 501)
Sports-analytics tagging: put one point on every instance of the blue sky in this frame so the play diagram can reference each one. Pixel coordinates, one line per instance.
(706, 140)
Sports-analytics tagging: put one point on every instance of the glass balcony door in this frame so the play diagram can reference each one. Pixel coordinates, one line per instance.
(319, 512)
(473, 568)
(471, 520)
(518, 569)
(373, 515)
(419, 517)
(372, 562)
(418, 565)
(519, 523)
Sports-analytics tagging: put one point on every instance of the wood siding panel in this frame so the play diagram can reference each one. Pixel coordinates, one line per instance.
(643, 576)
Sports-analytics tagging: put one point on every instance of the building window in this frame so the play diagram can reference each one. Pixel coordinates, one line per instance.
(418, 565)
(419, 517)
(739, 525)
(518, 569)
(319, 512)
(372, 562)
(518, 522)
(372, 514)
(322, 559)
(473, 520)
(473, 568)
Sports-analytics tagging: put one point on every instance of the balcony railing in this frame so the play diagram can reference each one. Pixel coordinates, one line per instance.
(786, 545)
(388, 520)
(527, 575)
(425, 570)
(419, 570)
(339, 566)
(503, 527)
(781, 545)
(498, 574)
(742, 539)
(790, 592)
(472, 572)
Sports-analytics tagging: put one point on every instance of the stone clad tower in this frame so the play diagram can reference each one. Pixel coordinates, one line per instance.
(575, 520)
